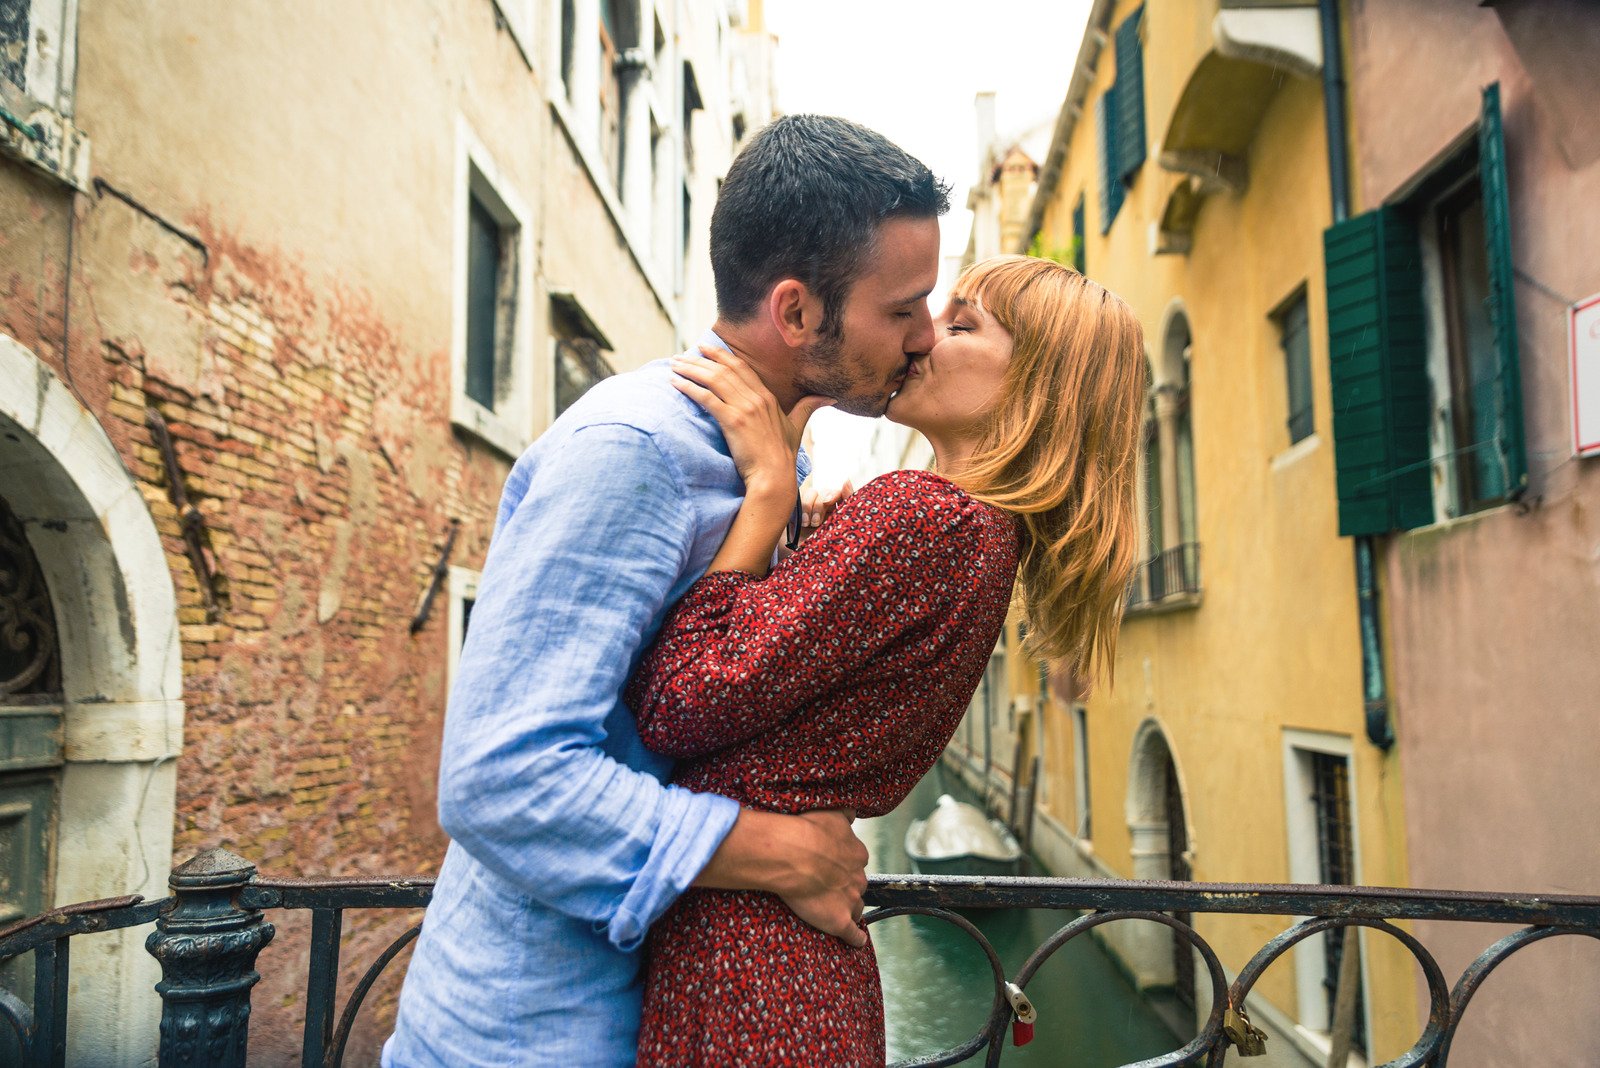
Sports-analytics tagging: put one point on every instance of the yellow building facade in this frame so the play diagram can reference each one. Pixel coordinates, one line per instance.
(1189, 174)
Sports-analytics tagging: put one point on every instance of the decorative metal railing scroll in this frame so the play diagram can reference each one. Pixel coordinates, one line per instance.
(208, 933)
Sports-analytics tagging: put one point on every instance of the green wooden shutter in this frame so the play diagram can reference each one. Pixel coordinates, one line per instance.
(1130, 96)
(1377, 359)
(1506, 401)
(1105, 118)
(1080, 259)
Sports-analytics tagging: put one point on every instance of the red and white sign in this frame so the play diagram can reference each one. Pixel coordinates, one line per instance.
(1585, 337)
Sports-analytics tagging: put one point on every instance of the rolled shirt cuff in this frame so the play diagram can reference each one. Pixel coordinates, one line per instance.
(690, 829)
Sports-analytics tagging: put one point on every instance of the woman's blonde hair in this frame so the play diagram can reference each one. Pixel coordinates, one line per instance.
(1061, 449)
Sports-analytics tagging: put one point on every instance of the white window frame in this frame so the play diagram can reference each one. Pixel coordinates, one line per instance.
(51, 142)
(510, 428)
(1300, 818)
(463, 587)
(522, 20)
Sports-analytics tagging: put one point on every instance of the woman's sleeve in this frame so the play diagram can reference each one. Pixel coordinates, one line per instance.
(740, 654)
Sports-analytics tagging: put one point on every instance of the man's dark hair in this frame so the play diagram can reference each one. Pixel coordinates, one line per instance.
(804, 200)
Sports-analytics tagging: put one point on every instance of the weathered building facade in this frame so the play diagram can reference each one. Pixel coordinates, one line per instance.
(281, 299)
(1189, 174)
(1491, 562)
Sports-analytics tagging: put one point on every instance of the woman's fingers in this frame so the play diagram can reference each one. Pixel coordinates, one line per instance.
(738, 366)
(699, 394)
(722, 381)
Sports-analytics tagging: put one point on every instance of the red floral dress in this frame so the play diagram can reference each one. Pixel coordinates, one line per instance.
(834, 682)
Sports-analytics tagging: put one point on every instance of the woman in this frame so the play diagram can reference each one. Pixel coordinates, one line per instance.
(835, 681)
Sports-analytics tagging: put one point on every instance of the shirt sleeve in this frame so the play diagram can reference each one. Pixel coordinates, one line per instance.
(740, 654)
(578, 571)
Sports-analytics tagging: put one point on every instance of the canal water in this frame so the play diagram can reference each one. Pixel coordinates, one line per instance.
(936, 983)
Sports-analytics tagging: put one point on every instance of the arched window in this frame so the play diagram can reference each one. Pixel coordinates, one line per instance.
(1170, 573)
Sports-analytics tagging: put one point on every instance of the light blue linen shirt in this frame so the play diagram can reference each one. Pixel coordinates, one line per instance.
(566, 844)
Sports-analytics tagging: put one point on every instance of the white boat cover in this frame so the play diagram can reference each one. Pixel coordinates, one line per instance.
(957, 829)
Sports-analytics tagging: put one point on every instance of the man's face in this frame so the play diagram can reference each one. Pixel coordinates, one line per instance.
(886, 322)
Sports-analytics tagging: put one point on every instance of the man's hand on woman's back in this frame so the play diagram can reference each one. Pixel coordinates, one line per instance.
(813, 861)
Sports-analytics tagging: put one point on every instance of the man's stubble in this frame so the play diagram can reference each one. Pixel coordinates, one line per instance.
(826, 371)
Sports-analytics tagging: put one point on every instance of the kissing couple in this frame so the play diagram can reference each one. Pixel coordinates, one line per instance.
(682, 681)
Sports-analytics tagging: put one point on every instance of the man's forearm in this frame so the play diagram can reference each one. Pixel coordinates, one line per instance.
(813, 861)
(763, 851)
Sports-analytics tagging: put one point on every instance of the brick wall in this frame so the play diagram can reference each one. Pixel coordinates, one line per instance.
(315, 444)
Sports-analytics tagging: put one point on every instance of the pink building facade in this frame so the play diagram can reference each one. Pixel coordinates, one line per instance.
(1492, 610)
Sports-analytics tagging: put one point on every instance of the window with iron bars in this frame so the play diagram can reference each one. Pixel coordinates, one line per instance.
(1330, 797)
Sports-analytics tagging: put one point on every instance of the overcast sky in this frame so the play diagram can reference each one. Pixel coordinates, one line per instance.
(910, 69)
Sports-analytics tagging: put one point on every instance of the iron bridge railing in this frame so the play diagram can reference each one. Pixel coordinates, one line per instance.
(208, 933)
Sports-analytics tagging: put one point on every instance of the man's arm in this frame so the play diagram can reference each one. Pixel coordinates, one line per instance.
(577, 572)
(813, 861)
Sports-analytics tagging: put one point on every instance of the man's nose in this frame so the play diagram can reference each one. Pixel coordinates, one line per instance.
(920, 339)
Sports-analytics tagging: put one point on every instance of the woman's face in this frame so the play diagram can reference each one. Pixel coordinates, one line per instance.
(948, 392)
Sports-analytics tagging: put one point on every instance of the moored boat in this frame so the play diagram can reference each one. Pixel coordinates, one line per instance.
(957, 839)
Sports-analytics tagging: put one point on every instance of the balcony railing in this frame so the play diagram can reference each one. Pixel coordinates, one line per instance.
(1171, 574)
(208, 933)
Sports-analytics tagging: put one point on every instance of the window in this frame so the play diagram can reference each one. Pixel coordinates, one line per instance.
(1294, 336)
(692, 102)
(491, 370)
(1080, 260)
(569, 16)
(1322, 849)
(38, 57)
(1111, 190)
(1423, 347)
(463, 595)
(1080, 770)
(609, 91)
(1330, 798)
(491, 300)
(1119, 120)
(1130, 97)
(1469, 344)
(14, 44)
(1171, 571)
(577, 346)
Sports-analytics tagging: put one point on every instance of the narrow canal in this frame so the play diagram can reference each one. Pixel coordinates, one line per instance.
(936, 984)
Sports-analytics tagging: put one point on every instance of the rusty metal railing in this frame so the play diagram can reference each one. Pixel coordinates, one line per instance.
(208, 933)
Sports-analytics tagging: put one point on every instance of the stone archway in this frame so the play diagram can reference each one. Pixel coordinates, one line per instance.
(1161, 846)
(121, 682)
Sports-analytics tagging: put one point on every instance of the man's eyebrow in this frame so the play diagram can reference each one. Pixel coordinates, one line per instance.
(912, 299)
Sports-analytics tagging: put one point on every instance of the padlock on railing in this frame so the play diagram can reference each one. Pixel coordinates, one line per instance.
(1250, 1039)
(1022, 1015)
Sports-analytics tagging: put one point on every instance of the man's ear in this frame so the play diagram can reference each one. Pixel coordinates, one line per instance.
(795, 312)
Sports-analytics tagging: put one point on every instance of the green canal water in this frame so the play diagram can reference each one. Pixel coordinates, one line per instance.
(937, 986)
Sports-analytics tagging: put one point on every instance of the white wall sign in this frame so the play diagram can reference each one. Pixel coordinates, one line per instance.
(1585, 341)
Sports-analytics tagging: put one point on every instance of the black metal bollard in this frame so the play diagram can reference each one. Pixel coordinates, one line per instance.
(207, 947)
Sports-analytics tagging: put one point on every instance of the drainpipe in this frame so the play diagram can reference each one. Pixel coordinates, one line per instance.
(1375, 692)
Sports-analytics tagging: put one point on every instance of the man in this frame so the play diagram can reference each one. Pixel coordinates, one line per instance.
(566, 844)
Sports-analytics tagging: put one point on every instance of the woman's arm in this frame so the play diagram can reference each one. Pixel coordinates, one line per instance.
(739, 655)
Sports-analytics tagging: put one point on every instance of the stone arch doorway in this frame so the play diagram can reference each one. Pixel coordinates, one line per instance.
(119, 700)
(1158, 824)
